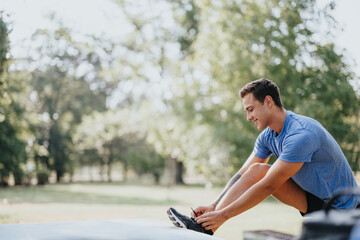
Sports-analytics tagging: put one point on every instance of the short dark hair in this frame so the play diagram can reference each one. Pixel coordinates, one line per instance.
(262, 88)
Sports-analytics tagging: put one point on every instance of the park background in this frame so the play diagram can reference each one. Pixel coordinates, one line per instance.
(120, 109)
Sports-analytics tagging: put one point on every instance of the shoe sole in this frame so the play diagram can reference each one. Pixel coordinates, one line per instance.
(175, 220)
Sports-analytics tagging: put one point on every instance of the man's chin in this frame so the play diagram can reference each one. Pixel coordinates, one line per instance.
(260, 128)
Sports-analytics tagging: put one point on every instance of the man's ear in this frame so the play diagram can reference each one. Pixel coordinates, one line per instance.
(269, 101)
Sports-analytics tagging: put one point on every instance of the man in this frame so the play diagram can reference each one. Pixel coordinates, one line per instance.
(309, 169)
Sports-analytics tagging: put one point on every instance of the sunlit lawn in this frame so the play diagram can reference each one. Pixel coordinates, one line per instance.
(74, 202)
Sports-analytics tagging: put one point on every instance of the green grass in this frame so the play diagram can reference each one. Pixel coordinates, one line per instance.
(77, 202)
(63, 195)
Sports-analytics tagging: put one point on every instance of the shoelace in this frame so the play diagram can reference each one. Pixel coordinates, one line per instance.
(194, 212)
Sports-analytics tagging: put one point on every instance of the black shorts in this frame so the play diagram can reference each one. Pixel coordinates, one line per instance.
(313, 203)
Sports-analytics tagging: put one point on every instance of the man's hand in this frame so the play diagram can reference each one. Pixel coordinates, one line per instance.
(212, 220)
(202, 209)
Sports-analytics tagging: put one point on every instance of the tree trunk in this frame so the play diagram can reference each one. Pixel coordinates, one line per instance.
(18, 176)
(18, 180)
(157, 178)
(125, 169)
(4, 181)
(101, 170)
(109, 171)
(179, 172)
(59, 174)
(176, 171)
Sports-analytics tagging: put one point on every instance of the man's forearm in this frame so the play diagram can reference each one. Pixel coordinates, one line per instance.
(256, 194)
(251, 160)
(279, 173)
(231, 182)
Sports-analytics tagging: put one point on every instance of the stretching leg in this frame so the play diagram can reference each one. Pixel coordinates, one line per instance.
(289, 193)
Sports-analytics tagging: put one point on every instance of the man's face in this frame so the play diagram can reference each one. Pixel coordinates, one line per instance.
(256, 111)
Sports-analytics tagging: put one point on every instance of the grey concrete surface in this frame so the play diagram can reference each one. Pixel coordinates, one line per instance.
(129, 229)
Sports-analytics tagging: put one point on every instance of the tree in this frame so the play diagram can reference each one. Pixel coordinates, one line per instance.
(12, 147)
(119, 136)
(66, 83)
(157, 41)
(186, 146)
(4, 44)
(242, 41)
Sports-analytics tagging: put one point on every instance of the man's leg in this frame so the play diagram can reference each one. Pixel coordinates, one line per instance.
(289, 193)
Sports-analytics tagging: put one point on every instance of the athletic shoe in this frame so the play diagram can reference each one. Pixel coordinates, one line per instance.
(183, 221)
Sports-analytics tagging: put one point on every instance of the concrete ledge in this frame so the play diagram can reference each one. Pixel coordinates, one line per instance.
(129, 229)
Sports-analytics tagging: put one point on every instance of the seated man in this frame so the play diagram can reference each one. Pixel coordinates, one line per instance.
(309, 169)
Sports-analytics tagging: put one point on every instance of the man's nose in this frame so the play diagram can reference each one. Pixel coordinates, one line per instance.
(249, 117)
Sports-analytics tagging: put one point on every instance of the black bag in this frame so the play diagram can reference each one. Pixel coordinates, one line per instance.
(331, 224)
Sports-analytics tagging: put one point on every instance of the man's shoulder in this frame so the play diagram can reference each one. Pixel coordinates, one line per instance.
(305, 131)
(297, 122)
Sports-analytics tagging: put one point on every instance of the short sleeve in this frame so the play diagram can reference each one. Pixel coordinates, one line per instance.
(260, 149)
(299, 147)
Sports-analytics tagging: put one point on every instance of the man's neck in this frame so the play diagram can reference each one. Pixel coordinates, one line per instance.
(278, 120)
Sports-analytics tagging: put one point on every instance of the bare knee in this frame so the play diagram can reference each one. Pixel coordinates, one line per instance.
(258, 170)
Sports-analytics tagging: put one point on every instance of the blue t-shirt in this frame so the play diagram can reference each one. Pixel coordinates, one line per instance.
(325, 168)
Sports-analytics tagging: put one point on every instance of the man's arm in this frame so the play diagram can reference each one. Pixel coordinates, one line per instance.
(251, 160)
(278, 174)
(231, 182)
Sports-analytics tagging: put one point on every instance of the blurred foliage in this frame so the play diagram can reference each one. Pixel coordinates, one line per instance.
(12, 146)
(241, 41)
(162, 99)
(4, 43)
(117, 136)
(60, 94)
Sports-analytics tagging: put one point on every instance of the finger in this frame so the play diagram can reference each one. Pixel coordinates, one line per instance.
(203, 220)
(199, 211)
(200, 220)
(207, 225)
(203, 215)
(195, 213)
(210, 227)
